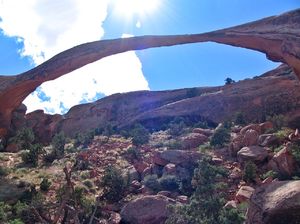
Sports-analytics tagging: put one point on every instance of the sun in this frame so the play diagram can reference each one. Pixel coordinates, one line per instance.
(129, 8)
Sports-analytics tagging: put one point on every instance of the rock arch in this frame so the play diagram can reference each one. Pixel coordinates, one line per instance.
(277, 36)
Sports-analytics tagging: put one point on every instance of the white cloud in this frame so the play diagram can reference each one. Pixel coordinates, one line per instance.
(48, 27)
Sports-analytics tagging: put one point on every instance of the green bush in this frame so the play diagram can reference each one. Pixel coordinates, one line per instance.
(220, 137)
(249, 172)
(169, 183)
(132, 153)
(23, 138)
(176, 127)
(278, 121)
(45, 184)
(229, 81)
(140, 135)
(58, 144)
(192, 92)
(31, 157)
(239, 118)
(88, 183)
(84, 139)
(201, 124)
(206, 204)
(4, 171)
(269, 173)
(151, 182)
(113, 184)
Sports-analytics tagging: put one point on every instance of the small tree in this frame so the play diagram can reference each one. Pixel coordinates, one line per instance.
(220, 137)
(31, 157)
(240, 118)
(24, 138)
(140, 135)
(113, 184)
(229, 81)
(249, 172)
(45, 184)
(58, 144)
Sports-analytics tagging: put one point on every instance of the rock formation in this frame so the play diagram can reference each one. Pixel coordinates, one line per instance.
(277, 37)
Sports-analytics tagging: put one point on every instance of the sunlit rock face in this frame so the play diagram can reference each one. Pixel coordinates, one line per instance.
(275, 36)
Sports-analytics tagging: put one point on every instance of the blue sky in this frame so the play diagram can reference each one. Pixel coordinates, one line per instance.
(32, 31)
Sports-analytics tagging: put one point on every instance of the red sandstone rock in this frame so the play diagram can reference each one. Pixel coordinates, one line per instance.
(193, 140)
(244, 194)
(146, 210)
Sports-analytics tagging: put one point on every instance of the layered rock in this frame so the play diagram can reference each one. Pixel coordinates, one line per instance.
(275, 36)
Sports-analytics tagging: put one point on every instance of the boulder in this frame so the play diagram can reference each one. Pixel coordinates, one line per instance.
(244, 194)
(193, 140)
(236, 144)
(151, 209)
(12, 147)
(140, 166)
(170, 168)
(275, 203)
(250, 138)
(231, 204)
(252, 153)
(207, 132)
(267, 140)
(132, 174)
(114, 218)
(266, 126)
(179, 156)
(283, 162)
(255, 127)
(182, 199)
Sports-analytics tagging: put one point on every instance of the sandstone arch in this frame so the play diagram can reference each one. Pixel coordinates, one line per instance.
(277, 36)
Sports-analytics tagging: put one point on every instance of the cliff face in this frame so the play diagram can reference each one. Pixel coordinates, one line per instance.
(277, 37)
(276, 91)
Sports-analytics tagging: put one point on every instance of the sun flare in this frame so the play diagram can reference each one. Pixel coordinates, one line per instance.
(129, 8)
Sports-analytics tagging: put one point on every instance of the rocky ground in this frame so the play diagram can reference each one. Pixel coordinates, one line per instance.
(272, 185)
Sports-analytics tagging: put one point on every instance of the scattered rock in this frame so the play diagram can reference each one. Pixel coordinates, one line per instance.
(115, 218)
(252, 153)
(275, 203)
(150, 209)
(244, 194)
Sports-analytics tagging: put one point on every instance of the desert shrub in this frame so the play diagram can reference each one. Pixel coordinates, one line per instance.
(4, 210)
(206, 204)
(31, 156)
(45, 184)
(140, 135)
(239, 118)
(4, 171)
(176, 127)
(283, 134)
(201, 124)
(220, 137)
(113, 184)
(88, 183)
(229, 81)
(132, 153)
(231, 216)
(58, 144)
(249, 172)
(278, 121)
(151, 182)
(269, 173)
(16, 221)
(192, 92)
(295, 150)
(24, 138)
(83, 139)
(169, 183)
